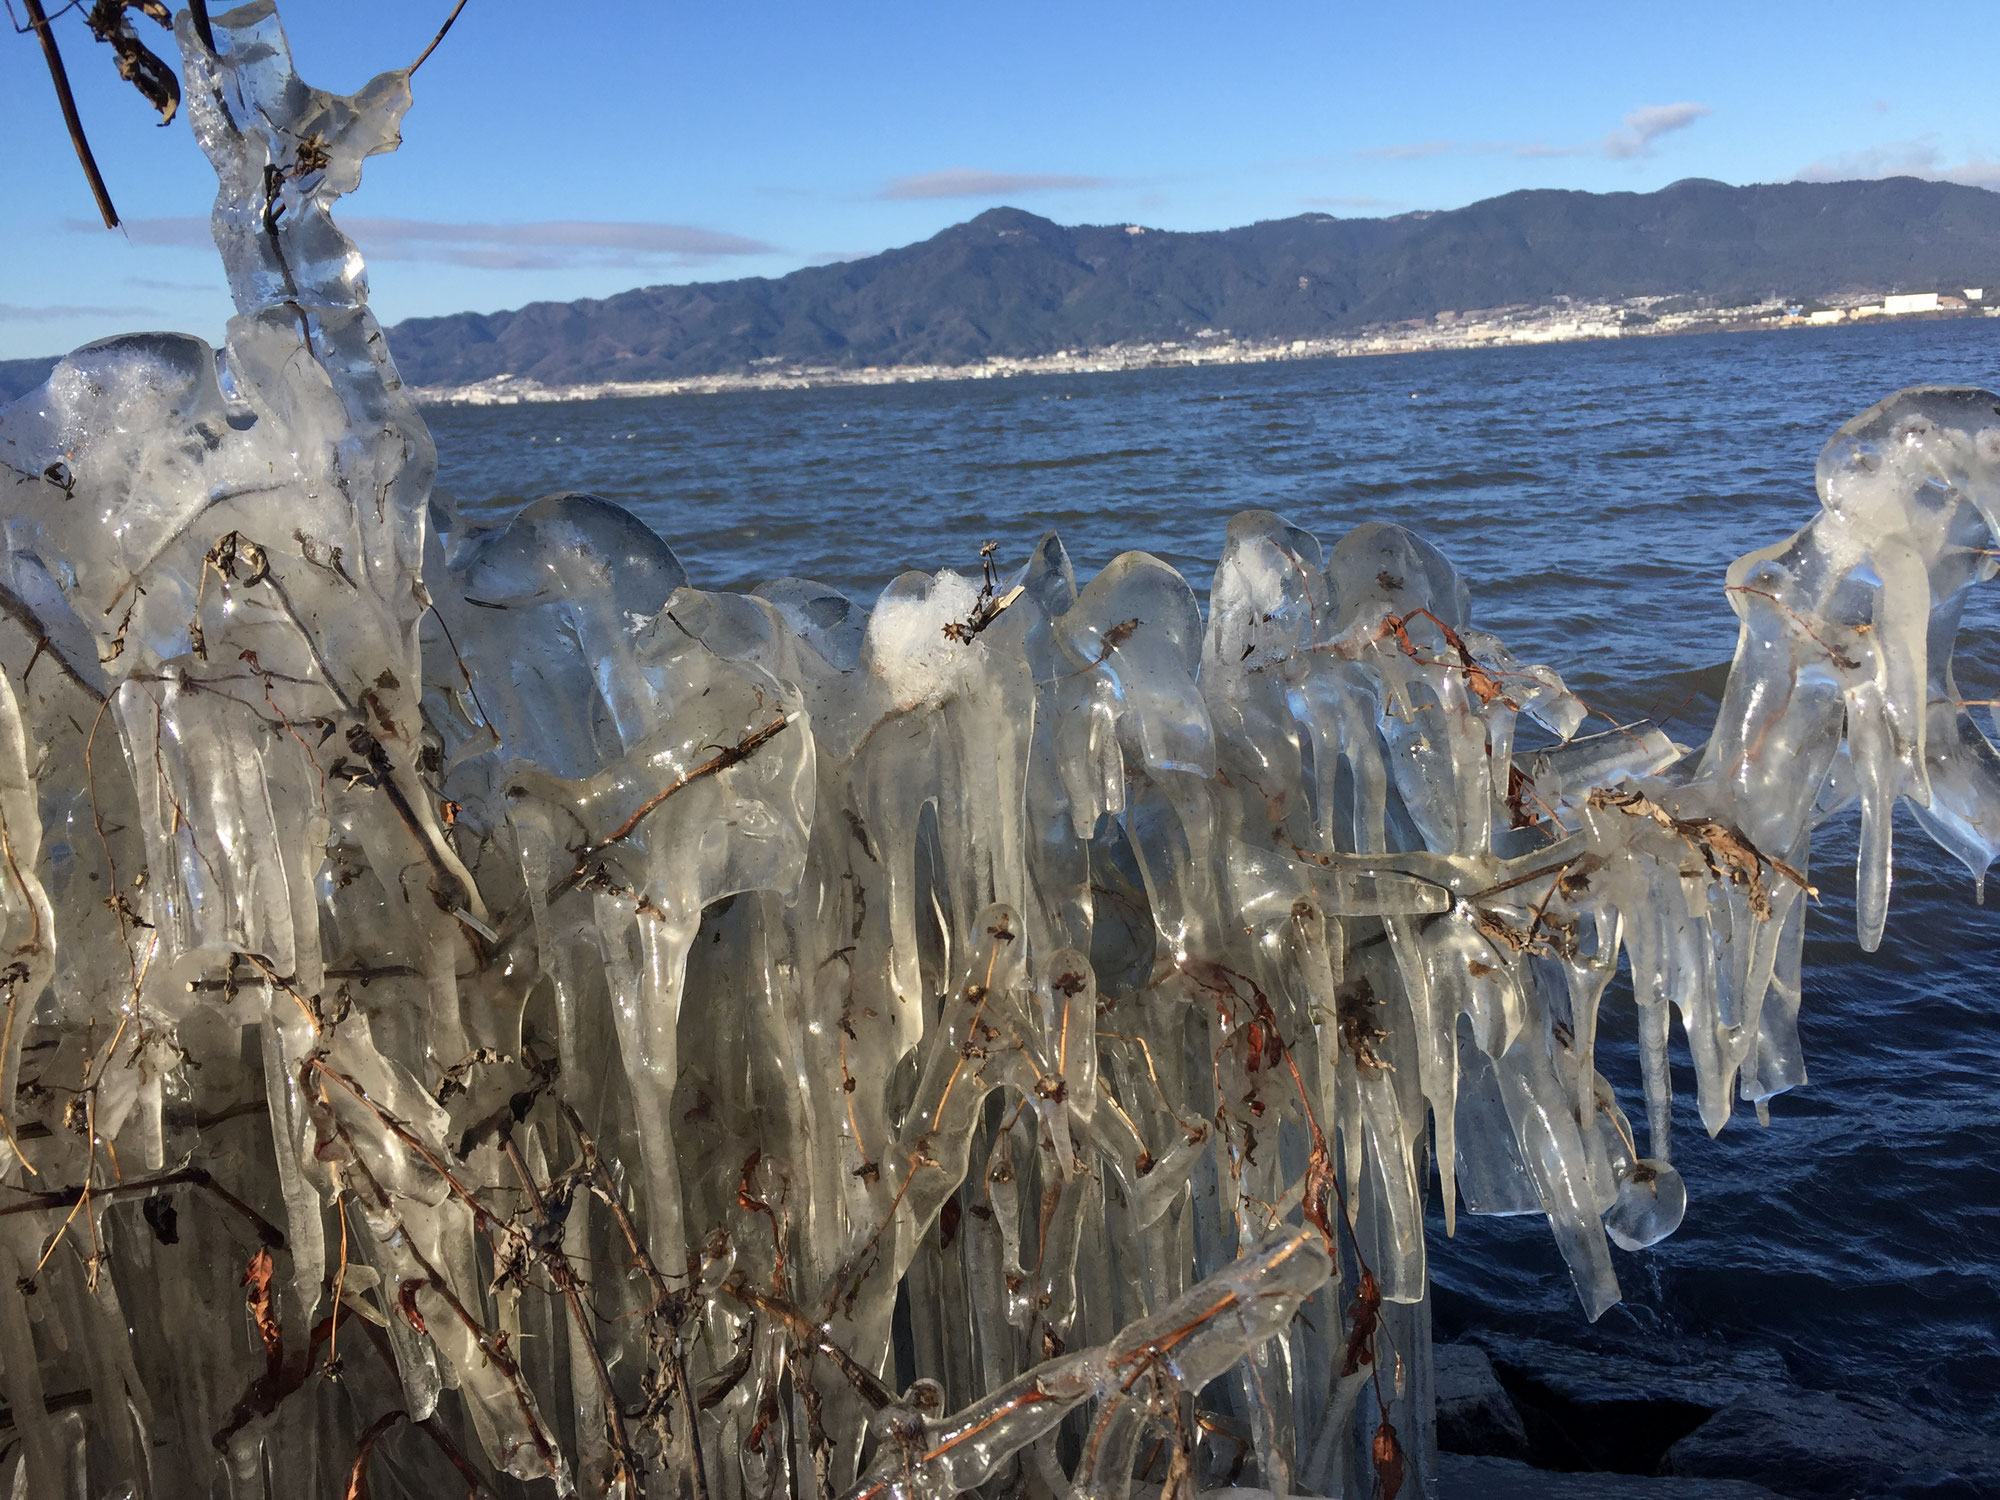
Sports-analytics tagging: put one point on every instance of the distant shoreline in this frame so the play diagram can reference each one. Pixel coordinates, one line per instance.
(1505, 327)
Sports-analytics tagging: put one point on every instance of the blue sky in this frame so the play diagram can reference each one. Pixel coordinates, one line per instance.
(560, 151)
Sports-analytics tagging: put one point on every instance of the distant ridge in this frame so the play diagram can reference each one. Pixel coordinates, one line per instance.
(1010, 284)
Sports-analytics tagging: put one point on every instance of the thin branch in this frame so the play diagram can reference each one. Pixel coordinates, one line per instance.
(68, 1197)
(813, 1337)
(565, 1279)
(60, 76)
(18, 610)
(440, 36)
(357, 1477)
(721, 761)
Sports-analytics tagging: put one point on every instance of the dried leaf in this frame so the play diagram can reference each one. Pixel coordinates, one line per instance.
(1389, 1465)
(1362, 1315)
(257, 1277)
(137, 64)
(162, 1218)
(1730, 857)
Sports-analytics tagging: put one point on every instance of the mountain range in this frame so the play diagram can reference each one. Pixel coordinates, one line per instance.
(1009, 283)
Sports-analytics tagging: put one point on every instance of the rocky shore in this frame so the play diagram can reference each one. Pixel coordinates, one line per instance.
(1531, 1417)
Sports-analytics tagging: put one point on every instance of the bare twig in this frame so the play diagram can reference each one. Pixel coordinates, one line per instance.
(565, 1278)
(17, 609)
(68, 1197)
(357, 1476)
(40, 22)
(439, 37)
(721, 761)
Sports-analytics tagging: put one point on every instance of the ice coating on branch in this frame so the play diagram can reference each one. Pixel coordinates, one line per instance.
(675, 1042)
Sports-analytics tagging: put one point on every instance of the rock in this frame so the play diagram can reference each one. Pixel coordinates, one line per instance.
(1711, 1414)
(1816, 1443)
(1461, 1477)
(1474, 1412)
(1620, 1410)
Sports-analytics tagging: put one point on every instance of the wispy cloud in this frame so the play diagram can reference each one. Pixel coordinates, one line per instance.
(1411, 151)
(1542, 151)
(177, 231)
(11, 312)
(548, 245)
(155, 284)
(1633, 138)
(977, 182)
(1918, 158)
(1647, 124)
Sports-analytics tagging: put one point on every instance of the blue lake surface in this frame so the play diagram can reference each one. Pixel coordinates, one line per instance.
(1592, 495)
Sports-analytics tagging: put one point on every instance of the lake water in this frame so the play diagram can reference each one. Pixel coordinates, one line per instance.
(1592, 494)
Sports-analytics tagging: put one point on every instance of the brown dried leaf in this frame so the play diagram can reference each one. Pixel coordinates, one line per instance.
(1389, 1464)
(1355, 1008)
(257, 1277)
(1730, 857)
(1362, 1314)
(137, 65)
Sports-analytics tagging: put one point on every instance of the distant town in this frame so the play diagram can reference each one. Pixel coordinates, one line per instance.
(1566, 320)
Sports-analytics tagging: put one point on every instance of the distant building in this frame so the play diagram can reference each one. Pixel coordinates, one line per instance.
(1829, 315)
(1975, 293)
(1949, 302)
(1910, 302)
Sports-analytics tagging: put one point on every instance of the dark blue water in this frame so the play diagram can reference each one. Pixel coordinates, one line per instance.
(1592, 494)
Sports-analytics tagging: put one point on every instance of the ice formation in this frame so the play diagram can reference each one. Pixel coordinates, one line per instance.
(487, 1014)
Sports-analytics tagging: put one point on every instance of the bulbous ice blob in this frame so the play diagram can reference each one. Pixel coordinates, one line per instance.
(1379, 568)
(1651, 1202)
(820, 615)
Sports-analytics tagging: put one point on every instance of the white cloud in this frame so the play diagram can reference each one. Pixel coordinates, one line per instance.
(977, 182)
(155, 284)
(547, 245)
(1647, 124)
(1410, 151)
(14, 313)
(1917, 158)
(1635, 138)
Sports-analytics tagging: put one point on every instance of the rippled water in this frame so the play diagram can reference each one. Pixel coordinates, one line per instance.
(1592, 494)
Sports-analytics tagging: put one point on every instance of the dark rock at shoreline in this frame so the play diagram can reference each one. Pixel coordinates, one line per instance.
(1814, 1443)
(1465, 1478)
(1594, 1409)
(1475, 1415)
(1709, 1414)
